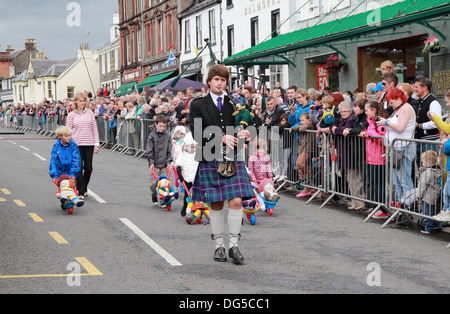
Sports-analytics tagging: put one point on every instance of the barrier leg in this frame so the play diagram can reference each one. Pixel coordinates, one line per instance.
(390, 219)
(372, 213)
(314, 195)
(327, 200)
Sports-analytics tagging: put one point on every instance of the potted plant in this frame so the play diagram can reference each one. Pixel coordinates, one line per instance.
(432, 45)
(334, 64)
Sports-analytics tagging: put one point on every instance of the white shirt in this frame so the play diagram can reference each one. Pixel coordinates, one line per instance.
(214, 98)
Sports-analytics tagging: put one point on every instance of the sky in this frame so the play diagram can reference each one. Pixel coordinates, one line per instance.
(59, 26)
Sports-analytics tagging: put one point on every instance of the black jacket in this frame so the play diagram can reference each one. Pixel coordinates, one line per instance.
(204, 114)
(275, 116)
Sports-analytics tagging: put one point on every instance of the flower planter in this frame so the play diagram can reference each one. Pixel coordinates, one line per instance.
(435, 50)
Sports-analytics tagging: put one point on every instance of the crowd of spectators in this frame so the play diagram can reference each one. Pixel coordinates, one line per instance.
(403, 109)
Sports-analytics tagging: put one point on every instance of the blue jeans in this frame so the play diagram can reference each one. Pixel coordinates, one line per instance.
(429, 210)
(446, 194)
(404, 186)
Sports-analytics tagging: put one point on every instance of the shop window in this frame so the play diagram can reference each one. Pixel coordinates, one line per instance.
(317, 77)
(406, 54)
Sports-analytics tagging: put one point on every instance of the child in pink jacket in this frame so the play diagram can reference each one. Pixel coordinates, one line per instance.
(376, 154)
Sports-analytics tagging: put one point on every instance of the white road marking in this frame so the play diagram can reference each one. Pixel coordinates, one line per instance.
(40, 157)
(12, 142)
(98, 198)
(23, 147)
(169, 258)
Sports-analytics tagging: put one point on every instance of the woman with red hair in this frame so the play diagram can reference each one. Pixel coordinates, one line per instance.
(401, 124)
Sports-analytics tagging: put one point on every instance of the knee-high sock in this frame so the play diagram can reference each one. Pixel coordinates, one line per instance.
(216, 220)
(234, 225)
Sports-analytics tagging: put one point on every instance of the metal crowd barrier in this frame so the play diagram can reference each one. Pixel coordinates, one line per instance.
(417, 187)
(334, 165)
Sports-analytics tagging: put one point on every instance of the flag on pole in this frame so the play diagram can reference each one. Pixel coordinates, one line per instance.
(170, 59)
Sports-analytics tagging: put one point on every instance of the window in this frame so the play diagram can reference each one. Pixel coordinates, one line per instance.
(139, 44)
(101, 58)
(254, 27)
(128, 52)
(230, 36)
(187, 35)
(212, 27)
(198, 26)
(275, 23)
(230, 4)
(50, 91)
(112, 61)
(70, 92)
(275, 75)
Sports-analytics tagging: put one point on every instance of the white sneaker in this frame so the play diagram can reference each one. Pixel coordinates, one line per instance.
(276, 178)
(442, 216)
(282, 178)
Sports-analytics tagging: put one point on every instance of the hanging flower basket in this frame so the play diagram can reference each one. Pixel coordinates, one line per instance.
(432, 45)
(335, 64)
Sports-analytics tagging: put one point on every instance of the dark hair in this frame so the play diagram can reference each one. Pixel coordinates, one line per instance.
(379, 111)
(360, 103)
(160, 118)
(423, 81)
(390, 77)
(284, 116)
(218, 70)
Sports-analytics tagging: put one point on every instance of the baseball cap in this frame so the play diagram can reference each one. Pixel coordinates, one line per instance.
(378, 87)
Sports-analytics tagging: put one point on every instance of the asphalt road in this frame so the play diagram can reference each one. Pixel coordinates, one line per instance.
(120, 243)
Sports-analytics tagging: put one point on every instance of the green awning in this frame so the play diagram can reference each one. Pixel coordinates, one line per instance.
(154, 80)
(351, 26)
(126, 89)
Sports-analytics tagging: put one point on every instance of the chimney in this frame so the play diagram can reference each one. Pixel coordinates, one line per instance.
(30, 44)
(10, 48)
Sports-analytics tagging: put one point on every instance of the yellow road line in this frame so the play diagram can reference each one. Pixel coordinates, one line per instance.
(58, 238)
(20, 203)
(5, 191)
(2, 199)
(91, 271)
(35, 217)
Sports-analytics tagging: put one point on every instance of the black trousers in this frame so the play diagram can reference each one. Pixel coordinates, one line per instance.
(84, 176)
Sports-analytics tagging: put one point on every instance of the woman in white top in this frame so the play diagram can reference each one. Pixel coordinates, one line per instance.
(401, 125)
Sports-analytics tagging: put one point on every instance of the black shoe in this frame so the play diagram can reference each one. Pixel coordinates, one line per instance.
(219, 254)
(154, 200)
(235, 255)
(183, 212)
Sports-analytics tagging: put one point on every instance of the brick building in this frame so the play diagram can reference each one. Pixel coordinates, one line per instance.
(148, 33)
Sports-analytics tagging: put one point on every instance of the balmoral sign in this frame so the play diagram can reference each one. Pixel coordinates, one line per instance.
(260, 6)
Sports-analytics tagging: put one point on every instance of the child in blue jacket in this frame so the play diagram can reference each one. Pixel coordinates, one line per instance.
(65, 157)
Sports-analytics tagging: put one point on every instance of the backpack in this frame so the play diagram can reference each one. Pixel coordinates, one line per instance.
(327, 116)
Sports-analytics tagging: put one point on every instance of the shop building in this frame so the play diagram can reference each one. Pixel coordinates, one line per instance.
(148, 35)
(364, 34)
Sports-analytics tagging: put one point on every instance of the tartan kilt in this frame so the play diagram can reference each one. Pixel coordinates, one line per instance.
(209, 186)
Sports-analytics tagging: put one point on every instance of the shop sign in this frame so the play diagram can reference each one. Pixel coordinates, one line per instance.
(132, 75)
(195, 66)
(322, 77)
(440, 69)
(260, 6)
